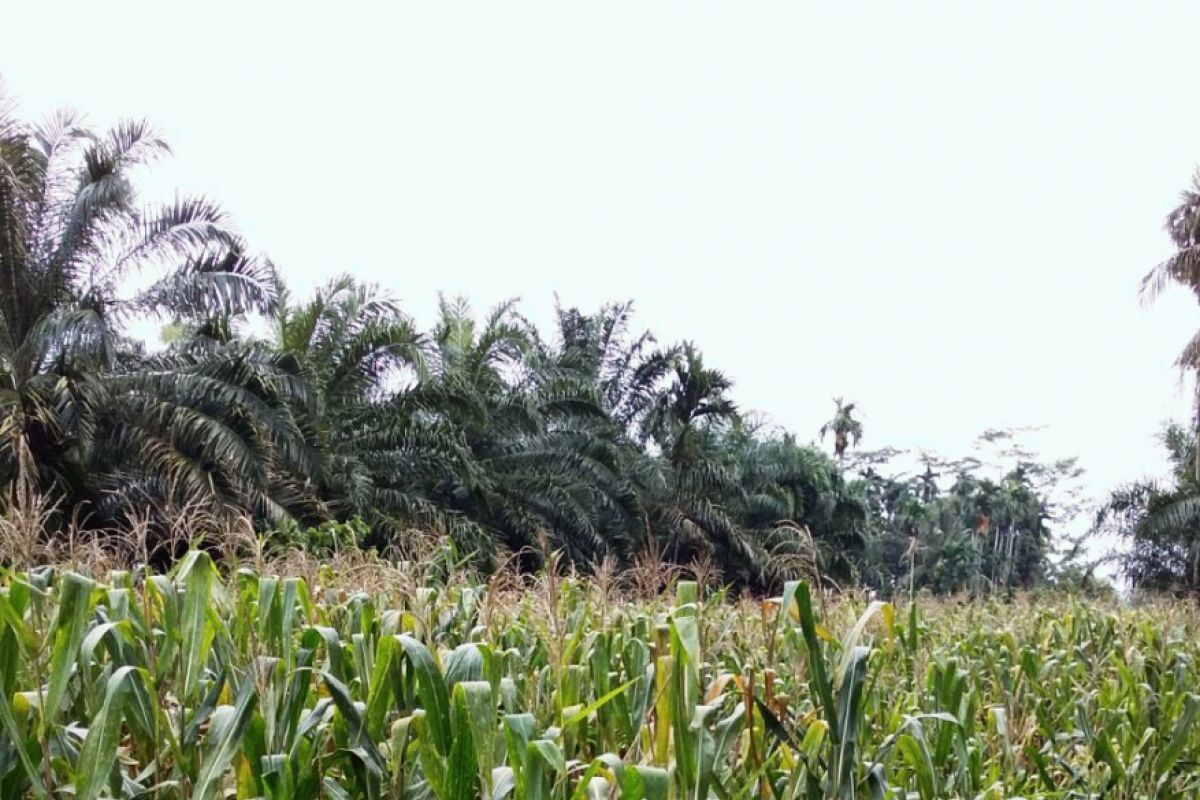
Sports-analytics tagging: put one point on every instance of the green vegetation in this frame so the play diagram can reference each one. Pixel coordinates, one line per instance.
(1160, 521)
(198, 685)
(304, 548)
(591, 439)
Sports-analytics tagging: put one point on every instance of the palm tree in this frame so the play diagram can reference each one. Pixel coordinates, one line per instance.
(1183, 268)
(85, 417)
(628, 371)
(685, 480)
(844, 427)
(1161, 521)
(357, 350)
(785, 487)
(695, 405)
(206, 421)
(524, 453)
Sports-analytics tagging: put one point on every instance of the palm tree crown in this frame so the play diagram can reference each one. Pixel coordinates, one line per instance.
(85, 416)
(844, 427)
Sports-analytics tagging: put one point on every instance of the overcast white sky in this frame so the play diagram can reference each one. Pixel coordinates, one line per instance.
(940, 210)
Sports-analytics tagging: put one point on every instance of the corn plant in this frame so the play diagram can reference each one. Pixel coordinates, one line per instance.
(201, 684)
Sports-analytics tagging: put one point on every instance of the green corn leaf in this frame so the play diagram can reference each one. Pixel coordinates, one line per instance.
(916, 749)
(504, 783)
(818, 675)
(70, 628)
(850, 640)
(249, 763)
(195, 575)
(380, 693)
(518, 733)
(294, 590)
(433, 763)
(598, 703)
(333, 648)
(356, 725)
(849, 717)
(594, 785)
(99, 753)
(1103, 750)
(462, 767)
(277, 777)
(542, 754)
(18, 738)
(12, 633)
(1183, 729)
(778, 732)
(655, 782)
(686, 636)
(227, 727)
(11, 617)
(478, 712)
(431, 688)
(464, 663)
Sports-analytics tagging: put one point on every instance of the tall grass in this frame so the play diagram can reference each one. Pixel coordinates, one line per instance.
(198, 684)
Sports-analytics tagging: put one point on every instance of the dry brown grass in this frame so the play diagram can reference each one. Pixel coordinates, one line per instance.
(24, 541)
(650, 575)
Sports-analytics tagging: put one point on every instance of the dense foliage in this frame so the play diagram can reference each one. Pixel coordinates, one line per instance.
(192, 685)
(591, 439)
(1160, 521)
(85, 414)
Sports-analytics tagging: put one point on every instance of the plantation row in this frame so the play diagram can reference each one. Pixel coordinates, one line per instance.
(198, 685)
(584, 435)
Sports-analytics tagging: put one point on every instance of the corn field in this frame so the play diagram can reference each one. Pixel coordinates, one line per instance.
(199, 684)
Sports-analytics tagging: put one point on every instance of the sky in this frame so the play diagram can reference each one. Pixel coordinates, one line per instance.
(939, 210)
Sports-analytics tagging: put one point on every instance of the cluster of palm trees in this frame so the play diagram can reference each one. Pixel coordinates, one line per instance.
(1160, 519)
(85, 412)
(594, 440)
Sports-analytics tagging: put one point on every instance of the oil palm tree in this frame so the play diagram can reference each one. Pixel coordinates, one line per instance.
(784, 488)
(75, 392)
(629, 371)
(353, 345)
(499, 451)
(1160, 521)
(1182, 268)
(686, 483)
(694, 405)
(214, 421)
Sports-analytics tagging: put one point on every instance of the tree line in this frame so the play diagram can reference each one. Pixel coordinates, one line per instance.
(591, 438)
